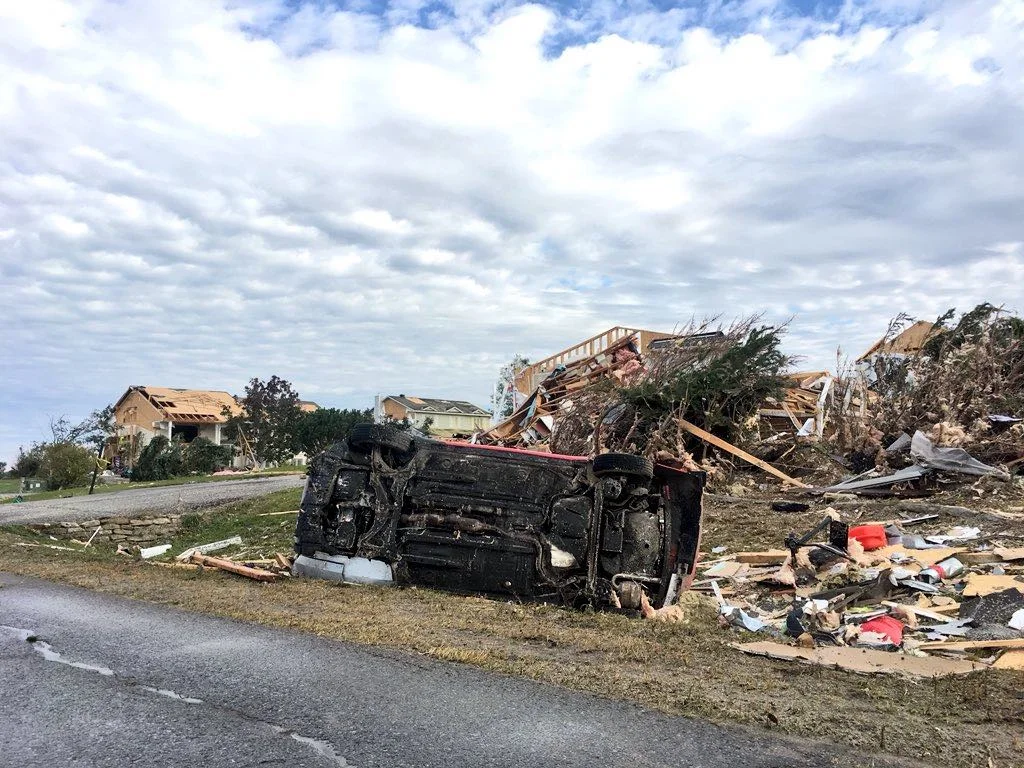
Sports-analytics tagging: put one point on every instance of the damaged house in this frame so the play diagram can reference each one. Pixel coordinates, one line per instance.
(597, 347)
(143, 412)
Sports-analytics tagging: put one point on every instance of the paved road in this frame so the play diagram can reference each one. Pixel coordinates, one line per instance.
(168, 498)
(154, 686)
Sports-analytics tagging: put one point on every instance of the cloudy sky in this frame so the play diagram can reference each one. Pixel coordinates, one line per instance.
(370, 197)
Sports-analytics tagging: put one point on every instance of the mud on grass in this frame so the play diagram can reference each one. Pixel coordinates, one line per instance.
(682, 669)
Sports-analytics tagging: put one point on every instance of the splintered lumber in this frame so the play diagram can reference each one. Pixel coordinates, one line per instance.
(282, 560)
(770, 557)
(968, 645)
(187, 566)
(718, 442)
(275, 514)
(48, 546)
(257, 574)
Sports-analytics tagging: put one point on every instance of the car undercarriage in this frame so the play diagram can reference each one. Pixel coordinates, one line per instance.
(384, 506)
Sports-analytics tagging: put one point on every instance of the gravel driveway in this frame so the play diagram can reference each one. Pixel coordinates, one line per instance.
(162, 499)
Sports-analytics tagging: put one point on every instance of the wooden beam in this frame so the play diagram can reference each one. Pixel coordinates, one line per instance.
(242, 570)
(771, 557)
(718, 442)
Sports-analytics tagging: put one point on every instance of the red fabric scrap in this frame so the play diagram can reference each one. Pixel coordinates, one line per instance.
(885, 625)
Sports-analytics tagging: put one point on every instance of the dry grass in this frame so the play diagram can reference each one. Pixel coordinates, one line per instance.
(683, 669)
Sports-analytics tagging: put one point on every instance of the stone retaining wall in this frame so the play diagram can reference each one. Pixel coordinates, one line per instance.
(143, 531)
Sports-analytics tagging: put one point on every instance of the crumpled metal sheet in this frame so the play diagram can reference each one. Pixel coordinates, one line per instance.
(949, 459)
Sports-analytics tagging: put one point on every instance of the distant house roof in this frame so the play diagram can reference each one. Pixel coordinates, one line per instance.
(306, 406)
(909, 342)
(433, 405)
(187, 406)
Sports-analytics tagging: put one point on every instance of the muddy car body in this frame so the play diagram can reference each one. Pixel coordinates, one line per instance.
(384, 506)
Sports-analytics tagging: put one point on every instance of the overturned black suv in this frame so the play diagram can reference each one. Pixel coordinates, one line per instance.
(386, 506)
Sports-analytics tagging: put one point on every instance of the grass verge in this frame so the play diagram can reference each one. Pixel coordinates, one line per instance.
(681, 669)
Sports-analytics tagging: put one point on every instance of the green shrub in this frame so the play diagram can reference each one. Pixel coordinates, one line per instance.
(203, 456)
(66, 465)
(161, 459)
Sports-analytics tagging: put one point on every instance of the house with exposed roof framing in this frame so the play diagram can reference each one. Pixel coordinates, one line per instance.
(143, 412)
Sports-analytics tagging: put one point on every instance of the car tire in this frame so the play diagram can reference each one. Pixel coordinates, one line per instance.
(623, 464)
(364, 437)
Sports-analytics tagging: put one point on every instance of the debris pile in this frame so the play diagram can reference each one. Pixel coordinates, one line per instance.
(532, 422)
(197, 557)
(629, 400)
(904, 595)
(928, 403)
(958, 381)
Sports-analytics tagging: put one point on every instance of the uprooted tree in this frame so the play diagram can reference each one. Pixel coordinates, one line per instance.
(712, 376)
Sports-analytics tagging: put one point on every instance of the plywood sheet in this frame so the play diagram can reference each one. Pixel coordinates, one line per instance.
(987, 584)
(863, 660)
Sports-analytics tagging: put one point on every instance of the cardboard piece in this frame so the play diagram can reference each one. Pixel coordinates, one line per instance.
(1010, 553)
(1010, 660)
(863, 661)
(970, 645)
(987, 584)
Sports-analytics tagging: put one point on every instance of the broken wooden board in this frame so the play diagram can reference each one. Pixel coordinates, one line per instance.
(979, 584)
(256, 574)
(187, 566)
(768, 557)
(718, 442)
(275, 514)
(864, 661)
(48, 546)
(1010, 660)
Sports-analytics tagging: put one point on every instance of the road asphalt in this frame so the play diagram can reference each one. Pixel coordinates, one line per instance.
(95, 680)
(135, 501)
